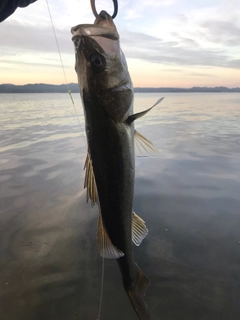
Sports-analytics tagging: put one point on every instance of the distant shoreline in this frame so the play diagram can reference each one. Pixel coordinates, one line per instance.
(73, 87)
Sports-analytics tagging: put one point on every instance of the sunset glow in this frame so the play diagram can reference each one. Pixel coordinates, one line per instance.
(169, 43)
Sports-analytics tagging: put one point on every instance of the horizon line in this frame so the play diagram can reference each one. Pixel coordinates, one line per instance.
(137, 87)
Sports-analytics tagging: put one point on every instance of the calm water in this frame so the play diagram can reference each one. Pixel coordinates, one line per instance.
(189, 196)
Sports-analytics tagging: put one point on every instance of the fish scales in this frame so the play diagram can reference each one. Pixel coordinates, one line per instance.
(107, 97)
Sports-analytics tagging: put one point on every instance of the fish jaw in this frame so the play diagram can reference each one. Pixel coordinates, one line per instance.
(103, 26)
(101, 67)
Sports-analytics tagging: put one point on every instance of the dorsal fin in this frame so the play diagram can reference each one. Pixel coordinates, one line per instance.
(135, 116)
(89, 181)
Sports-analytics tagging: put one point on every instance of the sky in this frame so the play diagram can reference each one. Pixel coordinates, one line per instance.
(167, 43)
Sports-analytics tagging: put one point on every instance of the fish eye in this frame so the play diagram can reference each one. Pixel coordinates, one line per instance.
(97, 60)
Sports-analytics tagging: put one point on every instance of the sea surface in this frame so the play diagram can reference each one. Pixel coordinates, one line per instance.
(188, 194)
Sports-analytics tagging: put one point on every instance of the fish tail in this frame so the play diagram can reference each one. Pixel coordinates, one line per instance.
(136, 292)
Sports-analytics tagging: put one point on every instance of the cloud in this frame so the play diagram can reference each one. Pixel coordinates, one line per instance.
(184, 40)
(34, 38)
(181, 49)
(131, 14)
(139, 9)
(200, 74)
(35, 64)
(235, 64)
(159, 3)
(220, 31)
(139, 39)
(182, 18)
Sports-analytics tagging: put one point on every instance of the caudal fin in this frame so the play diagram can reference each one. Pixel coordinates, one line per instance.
(136, 294)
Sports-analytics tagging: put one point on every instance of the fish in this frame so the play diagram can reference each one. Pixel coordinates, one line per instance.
(107, 97)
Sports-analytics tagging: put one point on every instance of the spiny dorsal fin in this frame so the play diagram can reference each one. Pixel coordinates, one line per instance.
(139, 229)
(89, 181)
(135, 116)
(143, 147)
(105, 246)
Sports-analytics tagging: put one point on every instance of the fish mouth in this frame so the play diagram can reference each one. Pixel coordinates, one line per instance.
(102, 35)
(104, 20)
(103, 27)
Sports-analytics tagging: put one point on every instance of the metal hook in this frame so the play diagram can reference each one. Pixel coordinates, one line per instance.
(115, 3)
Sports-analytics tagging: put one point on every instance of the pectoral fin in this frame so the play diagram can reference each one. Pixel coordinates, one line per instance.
(89, 181)
(135, 116)
(105, 246)
(139, 229)
(143, 147)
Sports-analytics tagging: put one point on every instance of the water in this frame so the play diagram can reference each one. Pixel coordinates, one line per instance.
(188, 195)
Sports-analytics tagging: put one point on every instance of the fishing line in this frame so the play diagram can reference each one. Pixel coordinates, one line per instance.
(102, 279)
(64, 73)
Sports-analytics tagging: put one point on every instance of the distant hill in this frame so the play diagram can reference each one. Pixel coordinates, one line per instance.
(38, 88)
(51, 88)
(193, 89)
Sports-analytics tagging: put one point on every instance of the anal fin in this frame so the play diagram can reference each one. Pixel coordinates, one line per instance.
(105, 246)
(139, 229)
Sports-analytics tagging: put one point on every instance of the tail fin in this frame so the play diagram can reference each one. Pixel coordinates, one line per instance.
(136, 294)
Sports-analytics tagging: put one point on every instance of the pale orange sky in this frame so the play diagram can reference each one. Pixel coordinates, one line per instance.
(177, 44)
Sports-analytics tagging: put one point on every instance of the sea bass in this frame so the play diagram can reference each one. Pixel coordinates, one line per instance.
(107, 96)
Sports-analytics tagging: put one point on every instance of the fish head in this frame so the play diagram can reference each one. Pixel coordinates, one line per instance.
(102, 68)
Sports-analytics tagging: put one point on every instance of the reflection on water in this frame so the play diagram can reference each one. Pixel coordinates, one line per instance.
(188, 195)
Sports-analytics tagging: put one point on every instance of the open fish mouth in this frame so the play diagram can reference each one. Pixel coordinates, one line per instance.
(103, 32)
(102, 27)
